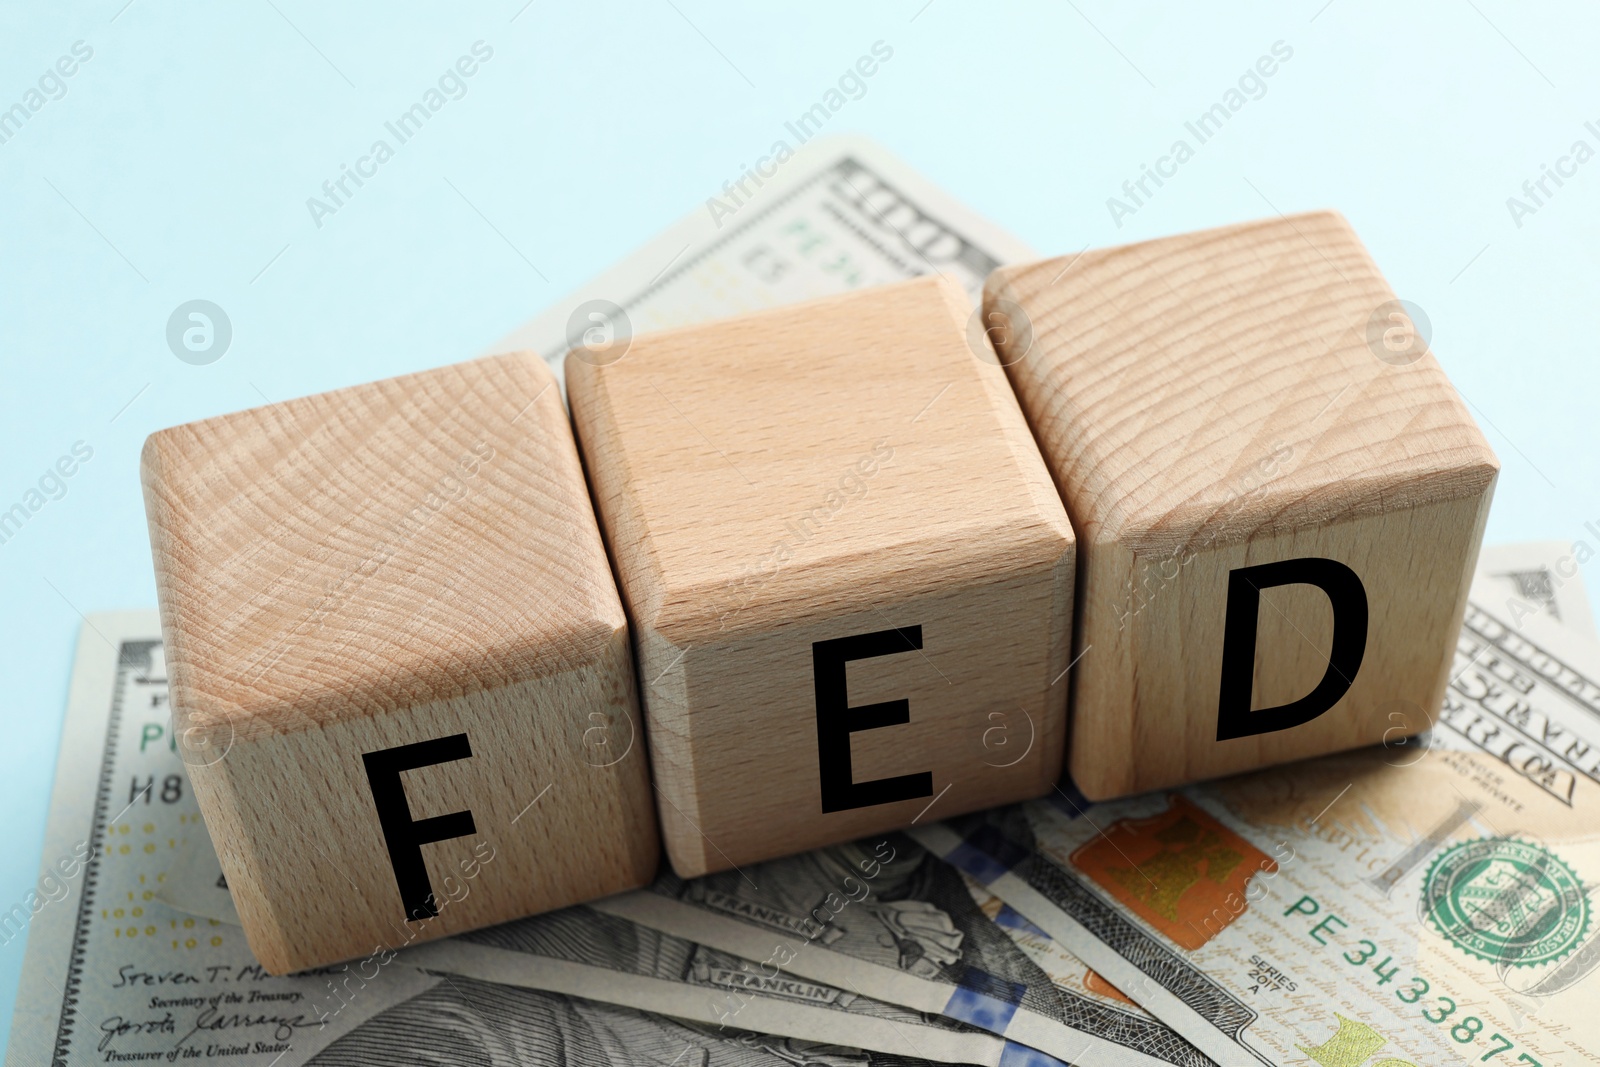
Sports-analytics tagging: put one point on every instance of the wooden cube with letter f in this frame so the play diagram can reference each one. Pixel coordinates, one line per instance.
(400, 667)
(1279, 496)
(849, 576)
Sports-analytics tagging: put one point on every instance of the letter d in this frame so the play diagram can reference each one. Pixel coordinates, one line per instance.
(1349, 600)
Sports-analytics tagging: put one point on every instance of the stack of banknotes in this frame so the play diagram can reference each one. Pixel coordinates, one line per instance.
(1425, 901)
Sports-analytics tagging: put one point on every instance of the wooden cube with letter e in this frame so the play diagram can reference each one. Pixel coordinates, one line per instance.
(400, 667)
(1278, 494)
(849, 576)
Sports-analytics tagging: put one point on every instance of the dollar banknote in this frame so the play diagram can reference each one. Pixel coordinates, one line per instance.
(883, 915)
(1525, 691)
(1538, 580)
(460, 1022)
(113, 972)
(1426, 901)
(587, 953)
(1069, 974)
(598, 953)
(843, 214)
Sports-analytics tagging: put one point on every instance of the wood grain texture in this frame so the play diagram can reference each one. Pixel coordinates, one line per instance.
(382, 565)
(1210, 402)
(842, 467)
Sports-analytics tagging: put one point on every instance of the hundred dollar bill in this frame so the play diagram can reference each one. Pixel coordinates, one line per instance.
(1537, 579)
(465, 1023)
(112, 974)
(1525, 691)
(1069, 974)
(884, 917)
(1422, 903)
(583, 952)
(587, 953)
(842, 214)
(595, 952)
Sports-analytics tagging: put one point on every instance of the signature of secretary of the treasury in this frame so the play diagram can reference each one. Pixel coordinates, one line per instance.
(212, 1019)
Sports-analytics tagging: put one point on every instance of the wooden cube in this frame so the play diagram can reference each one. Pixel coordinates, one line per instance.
(1280, 496)
(400, 668)
(849, 576)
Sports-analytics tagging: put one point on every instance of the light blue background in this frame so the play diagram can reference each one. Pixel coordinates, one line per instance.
(193, 137)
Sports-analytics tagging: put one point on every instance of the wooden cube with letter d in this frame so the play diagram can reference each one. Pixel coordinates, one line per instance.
(400, 668)
(1279, 496)
(849, 576)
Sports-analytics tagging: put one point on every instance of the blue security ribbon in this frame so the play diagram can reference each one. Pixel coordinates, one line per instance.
(986, 853)
(1012, 919)
(1015, 1055)
(1067, 799)
(985, 1001)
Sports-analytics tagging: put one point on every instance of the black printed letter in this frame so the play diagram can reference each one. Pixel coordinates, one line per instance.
(1349, 600)
(405, 836)
(836, 721)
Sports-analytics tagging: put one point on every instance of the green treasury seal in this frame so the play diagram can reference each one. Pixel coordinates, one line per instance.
(1506, 901)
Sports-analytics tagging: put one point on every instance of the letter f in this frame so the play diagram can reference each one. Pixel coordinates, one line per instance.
(406, 836)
